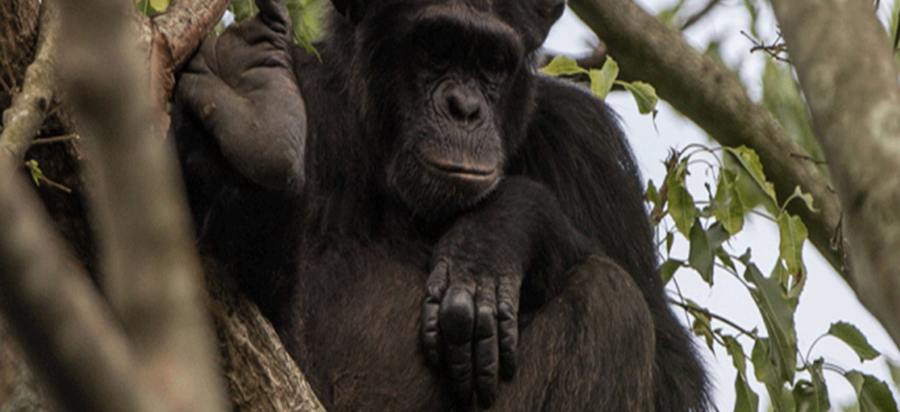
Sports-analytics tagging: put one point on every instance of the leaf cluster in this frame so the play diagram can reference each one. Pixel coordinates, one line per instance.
(792, 381)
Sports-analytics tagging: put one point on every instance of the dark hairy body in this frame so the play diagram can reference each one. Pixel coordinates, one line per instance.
(428, 223)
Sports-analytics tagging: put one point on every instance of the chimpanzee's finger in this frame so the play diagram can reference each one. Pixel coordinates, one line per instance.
(457, 324)
(435, 287)
(508, 324)
(486, 347)
(274, 13)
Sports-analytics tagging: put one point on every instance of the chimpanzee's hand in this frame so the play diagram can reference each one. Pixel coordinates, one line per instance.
(472, 299)
(241, 86)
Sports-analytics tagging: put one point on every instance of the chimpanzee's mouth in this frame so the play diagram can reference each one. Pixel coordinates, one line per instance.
(472, 172)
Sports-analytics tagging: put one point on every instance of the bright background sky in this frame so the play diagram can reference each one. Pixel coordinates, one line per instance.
(826, 297)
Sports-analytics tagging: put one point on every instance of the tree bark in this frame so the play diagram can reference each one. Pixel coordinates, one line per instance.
(259, 373)
(18, 33)
(849, 77)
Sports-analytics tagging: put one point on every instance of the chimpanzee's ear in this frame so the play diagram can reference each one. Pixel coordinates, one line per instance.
(353, 10)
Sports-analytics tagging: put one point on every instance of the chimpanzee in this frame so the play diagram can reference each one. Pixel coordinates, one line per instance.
(433, 225)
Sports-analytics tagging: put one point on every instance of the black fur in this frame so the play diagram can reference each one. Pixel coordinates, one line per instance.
(440, 228)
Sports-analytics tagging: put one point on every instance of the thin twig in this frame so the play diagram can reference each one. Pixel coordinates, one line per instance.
(711, 315)
(55, 139)
(774, 49)
(40, 176)
(806, 157)
(699, 15)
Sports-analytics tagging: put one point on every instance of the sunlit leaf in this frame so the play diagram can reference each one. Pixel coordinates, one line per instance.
(563, 65)
(242, 9)
(854, 339)
(159, 5)
(602, 80)
(748, 159)
(36, 173)
(792, 233)
(644, 94)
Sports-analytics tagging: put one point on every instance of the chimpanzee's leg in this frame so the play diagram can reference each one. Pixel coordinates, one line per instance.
(589, 349)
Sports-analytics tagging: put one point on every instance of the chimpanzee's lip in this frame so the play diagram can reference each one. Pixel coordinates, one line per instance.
(461, 170)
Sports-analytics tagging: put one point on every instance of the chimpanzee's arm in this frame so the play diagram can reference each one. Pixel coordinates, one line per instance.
(240, 89)
(472, 301)
(240, 126)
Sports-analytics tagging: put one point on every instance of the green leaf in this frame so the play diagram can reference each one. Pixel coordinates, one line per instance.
(854, 339)
(748, 159)
(701, 326)
(670, 240)
(724, 258)
(736, 351)
(805, 197)
(242, 9)
(644, 94)
(778, 316)
(602, 80)
(159, 5)
(745, 399)
(681, 204)
(894, 368)
(668, 269)
(700, 256)
(652, 194)
(563, 65)
(873, 394)
(144, 7)
(792, 233)
(781, 95)
(812, 396)
(729, 209)
(36, 173)
(766, 372)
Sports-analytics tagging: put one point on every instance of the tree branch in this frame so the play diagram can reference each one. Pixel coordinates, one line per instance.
(55, 310)
(152, 277)
(850, 84)
(709, 95)
(22, 120)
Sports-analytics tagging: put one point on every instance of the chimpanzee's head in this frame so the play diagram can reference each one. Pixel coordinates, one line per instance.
(448, 86)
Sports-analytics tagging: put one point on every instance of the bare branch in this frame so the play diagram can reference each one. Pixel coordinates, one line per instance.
(153, 278)
(700, 14)
(698, 87)
(22, 121)
(55, 310)
(850, 85)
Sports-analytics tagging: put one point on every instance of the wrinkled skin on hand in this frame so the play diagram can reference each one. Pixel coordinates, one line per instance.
(241, 84)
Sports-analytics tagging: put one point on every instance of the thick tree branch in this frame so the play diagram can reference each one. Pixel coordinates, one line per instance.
(850, 84)
(168, 40)
(22, 120)
(709, 95)
(56, 311)
(153, 278)
(260, 375)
